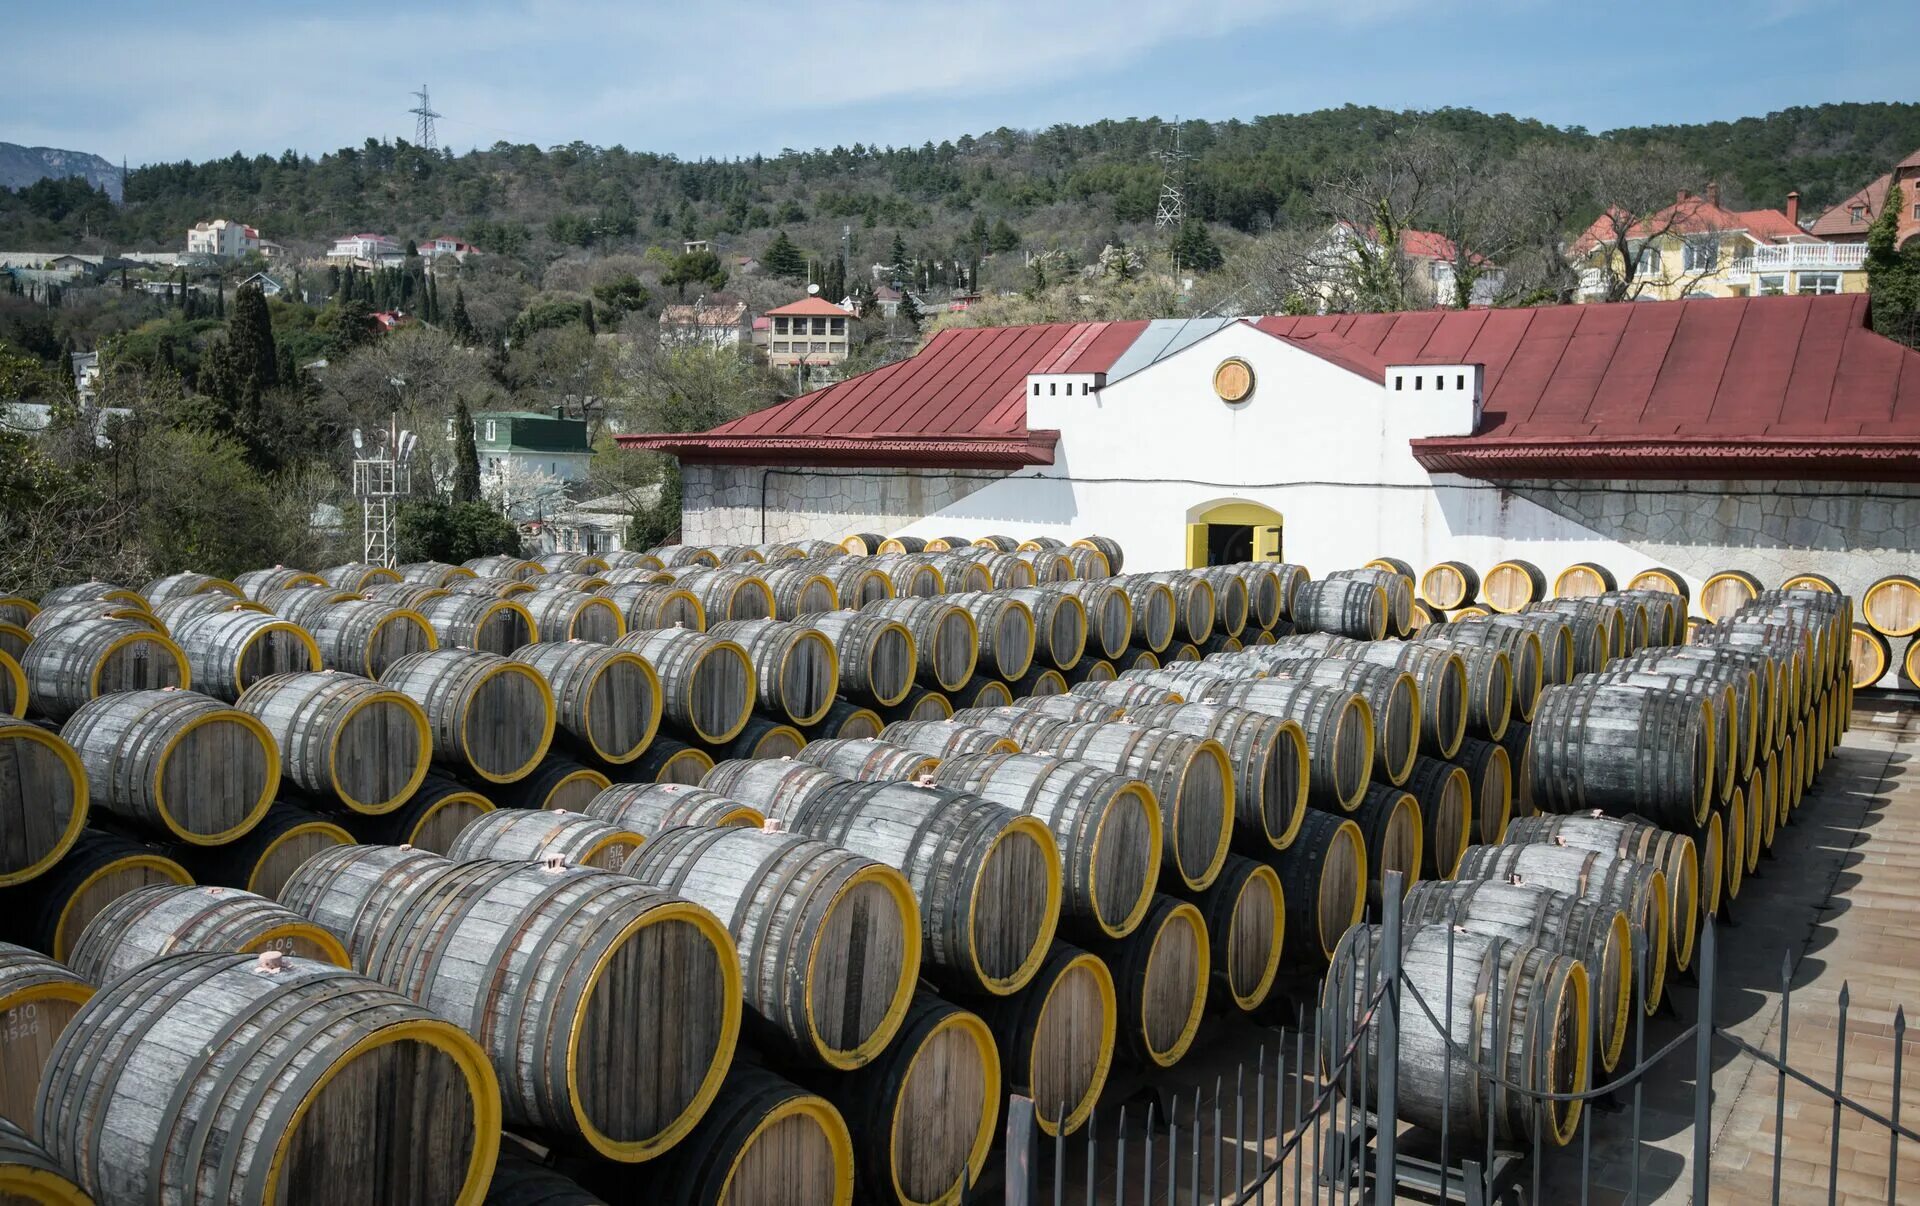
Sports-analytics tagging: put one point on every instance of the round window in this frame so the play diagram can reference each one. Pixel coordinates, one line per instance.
(1233, 380)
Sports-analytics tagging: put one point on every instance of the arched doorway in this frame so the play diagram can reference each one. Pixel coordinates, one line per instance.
(1229, 532)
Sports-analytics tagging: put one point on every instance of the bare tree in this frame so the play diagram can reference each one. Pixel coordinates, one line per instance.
(1643, 200)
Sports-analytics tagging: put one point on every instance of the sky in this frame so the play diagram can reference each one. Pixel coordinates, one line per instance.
(162, 80)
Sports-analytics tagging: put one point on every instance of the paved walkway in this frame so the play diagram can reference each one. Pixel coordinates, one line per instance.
(1836, 902)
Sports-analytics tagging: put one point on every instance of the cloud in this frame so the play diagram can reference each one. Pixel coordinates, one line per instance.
(650, 75)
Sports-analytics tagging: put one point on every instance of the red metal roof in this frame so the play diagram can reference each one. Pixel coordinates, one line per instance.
(1691, 215)
(961, 400)
(1712, 387)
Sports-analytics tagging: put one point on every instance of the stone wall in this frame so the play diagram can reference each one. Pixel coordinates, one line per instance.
(746, 504)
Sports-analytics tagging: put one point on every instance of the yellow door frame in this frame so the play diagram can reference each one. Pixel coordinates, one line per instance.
(1265, 522)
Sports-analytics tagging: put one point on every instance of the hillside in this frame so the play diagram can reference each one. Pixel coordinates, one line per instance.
(1066, 186)
(21, 166)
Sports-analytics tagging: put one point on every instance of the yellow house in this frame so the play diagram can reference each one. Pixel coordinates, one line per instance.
(1698, 248)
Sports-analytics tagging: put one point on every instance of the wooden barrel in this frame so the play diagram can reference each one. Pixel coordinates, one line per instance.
(1195, 605)
(1233, 607)
(1060, 626)
(707, 683)
(1106, 825)
(13, 687)
(922, 1115)
(486, 714)
(799, 590)
(876, 656)
(1659, 578)
(618, 1068)
(606, 701)
(491, 588)
(364, 637)
(1890, 606)
(1007, 632)
(945, 638)
(1049, 564)
(31, 1177)
(1444, 794)
(358, 575)
(1623, 750)
(1191, 778)
(921, 703)
(176, 764)
(353, 891)
(558, 783)
(1245, 912)
(1536, 915)
(1534, 1022)
(1510, 585)
(1490, 679)
(764, 1139)
(1072, 707)
(570, 581)
(172, 613)
(1160, 980)
(962, 573)
(764, 737)
(774, 787)
(856, 583)
(911, 576)
(566, 561)
(430, 573)
(170, 919)
(869, 759)
(1449, 585)
(1732, 710)
(987, 878)
(409, 595)
(1109, 614)
(1390, 821)
(1142, 659)
(1674, 853)
(1107, 547)
(258, 584)
(1039, 683)
(669, 760)
(728, 594)
(982, 691)
(574, 615)
(1726, 592)
(1336, 723)
(1396, 586)
(1636, 888)
(796, 669)
(847, 719)
(1595, 642)
(943, 739)
(1490, 787)
(1440, 677)
(343, 738)
(260, 862)
(1125, 694)
(678, 556)
(49, 913)
(1057, 1037)
(180, 586)
(652, 808)
(1323, 877)
(71, 665)
(1155, 611)
(1664, 615)
(1391, 694)
(1583, 579)
(502, 565)
(828, 941)
(430, 818)
(535, 835)
(38, 998)
(1270, 762)
(93, 590)
(656, 605)
(1349, 606)
(46, 619)
(328, 1068)
(44, 801)
(304, 605)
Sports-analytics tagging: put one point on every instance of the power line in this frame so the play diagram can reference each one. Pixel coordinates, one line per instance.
(423, 126)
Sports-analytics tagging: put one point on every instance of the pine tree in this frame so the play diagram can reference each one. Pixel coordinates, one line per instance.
(897, 260)
(833, 280)
(784, 260)
(909, 311)
(1194, 248)
(461, 324)
(1003, 238)
(466, 456)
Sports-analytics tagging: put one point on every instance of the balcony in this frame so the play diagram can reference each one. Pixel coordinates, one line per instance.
(1795, 257)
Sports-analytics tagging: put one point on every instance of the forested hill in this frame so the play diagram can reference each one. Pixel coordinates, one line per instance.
(1066, 185)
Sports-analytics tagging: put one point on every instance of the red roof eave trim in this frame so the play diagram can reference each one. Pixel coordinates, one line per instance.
(906, 451)
(1844, 459)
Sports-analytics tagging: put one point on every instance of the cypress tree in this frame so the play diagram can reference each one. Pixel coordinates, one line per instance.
(250, 339)
(784, 260)
(909, 310)
(466, 456)
(462, 325)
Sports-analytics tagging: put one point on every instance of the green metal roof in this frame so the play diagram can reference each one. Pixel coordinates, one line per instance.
(531, 431)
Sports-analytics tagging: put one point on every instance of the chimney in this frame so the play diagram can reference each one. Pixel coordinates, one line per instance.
(1713, 192)
(1793, 206)
(1682, 195)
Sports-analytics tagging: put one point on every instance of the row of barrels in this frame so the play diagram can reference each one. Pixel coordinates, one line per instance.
(1714, 745)
(1890, 605)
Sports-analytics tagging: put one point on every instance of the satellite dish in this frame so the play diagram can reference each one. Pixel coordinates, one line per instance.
(812, 290)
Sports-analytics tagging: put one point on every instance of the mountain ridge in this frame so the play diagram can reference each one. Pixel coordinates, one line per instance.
(21, 166)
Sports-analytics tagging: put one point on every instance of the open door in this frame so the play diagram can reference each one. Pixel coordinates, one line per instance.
(1232, 532)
